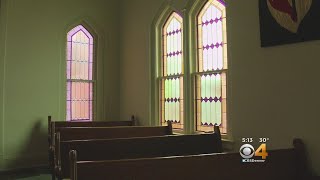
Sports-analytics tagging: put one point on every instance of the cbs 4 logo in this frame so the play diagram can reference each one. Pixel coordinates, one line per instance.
(247, 151)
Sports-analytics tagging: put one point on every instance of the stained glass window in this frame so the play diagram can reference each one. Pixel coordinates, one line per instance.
(211, 67)
(79, 75)
(171, 82)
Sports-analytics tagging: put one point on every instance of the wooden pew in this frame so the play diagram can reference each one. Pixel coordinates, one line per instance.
(55, 126)
(81, 133)
(283, 164)
(139, 147)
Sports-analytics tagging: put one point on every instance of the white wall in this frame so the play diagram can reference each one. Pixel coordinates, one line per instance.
(274, 91)
(33, 81)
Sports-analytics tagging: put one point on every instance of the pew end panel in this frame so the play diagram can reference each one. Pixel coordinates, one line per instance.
(73, 164)
(49, 129)
(170, 130)
(217, 131)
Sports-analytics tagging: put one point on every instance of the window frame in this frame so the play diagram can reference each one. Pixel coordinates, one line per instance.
(193, 9)
(163, 76)
(224, 125)
(94, 70)
(190, 53)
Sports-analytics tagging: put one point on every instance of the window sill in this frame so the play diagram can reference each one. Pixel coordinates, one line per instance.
(227, 143)
(178, 132)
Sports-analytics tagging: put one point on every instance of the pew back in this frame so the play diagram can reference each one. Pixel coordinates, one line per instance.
(141, 147)
(54, 126)
(280, 164)
(81, 133)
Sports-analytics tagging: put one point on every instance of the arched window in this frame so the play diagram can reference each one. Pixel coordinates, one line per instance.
(189, 87)
(79, 75)
(171, 78)
(212, 67)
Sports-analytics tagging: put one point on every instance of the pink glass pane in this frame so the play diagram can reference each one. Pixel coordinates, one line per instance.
(79, 101)
(79, 67)
(79, 54)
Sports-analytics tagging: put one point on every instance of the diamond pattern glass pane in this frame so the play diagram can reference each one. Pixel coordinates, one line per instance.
(212, 37)
(212, 59)
(172, 101)
(211, 101)
(172, 42)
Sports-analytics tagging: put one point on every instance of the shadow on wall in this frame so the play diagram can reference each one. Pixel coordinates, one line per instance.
(32, 159)
(136, 120)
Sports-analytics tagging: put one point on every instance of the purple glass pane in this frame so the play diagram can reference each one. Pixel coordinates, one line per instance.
(222, 2)
(90, 61)
(76, 29)
(90, 100)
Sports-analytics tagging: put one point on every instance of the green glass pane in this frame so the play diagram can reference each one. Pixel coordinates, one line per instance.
(179, 64)
(202, 82)
(174, 88)
(178, 88)
(218, 95)
(207, 84)
(169, 88)
(166, 89)
(166, 110)
(210, 99)
(172, 94)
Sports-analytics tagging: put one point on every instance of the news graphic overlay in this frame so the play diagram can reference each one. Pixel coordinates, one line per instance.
(248, 152)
